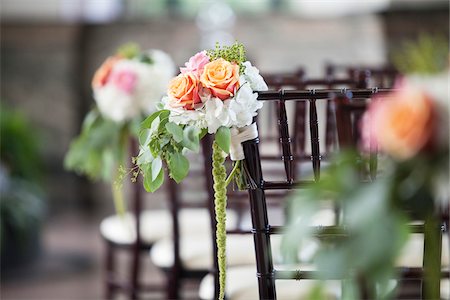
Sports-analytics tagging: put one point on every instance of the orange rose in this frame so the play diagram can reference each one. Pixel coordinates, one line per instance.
(221, 77)
(101, 76)
(405, 124)
(183, 91)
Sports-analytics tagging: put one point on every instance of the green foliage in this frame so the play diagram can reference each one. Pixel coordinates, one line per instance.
(164, 141)
(129, 50)
(220, 205)
(21, 209)
(363, 206)
(176, 131)
(178, 166)
(223, 138)
(22, 203)
(234, 53)
(99, 149)
(428, 55)
(19, 149)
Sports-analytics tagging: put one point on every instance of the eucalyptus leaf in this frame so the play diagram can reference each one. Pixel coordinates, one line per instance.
(145, 156)
(175, 130)
(155, 125)
(191, 138)
(156, 167)
(152, 185)
(144, 137)
(179, 166)
(149, 120)
(223, 138)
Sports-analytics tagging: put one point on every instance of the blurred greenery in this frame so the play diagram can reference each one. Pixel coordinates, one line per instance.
(21, 202)
(100, 148)
(429, 54)
(19, 149)
(373, 215)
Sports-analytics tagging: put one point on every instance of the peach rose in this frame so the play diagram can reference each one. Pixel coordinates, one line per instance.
(221, 77)
(183, 91)
(401, 125)
(101, 76)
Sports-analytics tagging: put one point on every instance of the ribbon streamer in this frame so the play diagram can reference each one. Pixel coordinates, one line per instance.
(239, 135)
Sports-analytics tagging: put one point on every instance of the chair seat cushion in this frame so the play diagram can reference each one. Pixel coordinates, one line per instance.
(157, 224)
(242, 285)
(196, 251)
(412, 254)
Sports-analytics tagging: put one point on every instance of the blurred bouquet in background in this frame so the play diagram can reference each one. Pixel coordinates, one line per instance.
(126, 87)
(407, 133)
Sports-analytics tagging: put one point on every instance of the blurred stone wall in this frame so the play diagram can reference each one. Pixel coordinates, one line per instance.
(46, 69)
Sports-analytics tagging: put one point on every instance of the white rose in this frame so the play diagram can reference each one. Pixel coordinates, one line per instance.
(251, 74)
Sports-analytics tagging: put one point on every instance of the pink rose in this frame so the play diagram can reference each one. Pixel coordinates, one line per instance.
(124, 80)
(196, 63)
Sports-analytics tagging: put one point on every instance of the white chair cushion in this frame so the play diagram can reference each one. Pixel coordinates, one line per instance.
(412, 254)
(242, 284)
(445, 289)
(196, 251)
(157, 224)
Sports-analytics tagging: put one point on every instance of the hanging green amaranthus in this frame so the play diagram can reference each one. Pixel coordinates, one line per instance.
(220, 204)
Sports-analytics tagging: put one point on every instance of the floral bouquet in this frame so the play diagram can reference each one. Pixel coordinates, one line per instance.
(126, 86)
(409, 130)
(214, 93)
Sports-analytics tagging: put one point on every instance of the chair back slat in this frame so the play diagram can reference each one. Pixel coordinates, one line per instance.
(260, 221)
(314, 131)
(346, 117)
(285, 141)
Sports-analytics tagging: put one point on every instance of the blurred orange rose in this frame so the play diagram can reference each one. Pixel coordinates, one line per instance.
(221, 77)
(183, 91)
(405, 123)
(101, 76)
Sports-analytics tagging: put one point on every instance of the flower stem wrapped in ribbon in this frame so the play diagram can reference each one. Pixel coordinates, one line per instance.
(215, 93)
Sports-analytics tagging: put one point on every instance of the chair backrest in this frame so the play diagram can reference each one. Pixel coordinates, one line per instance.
(262, 230)
(278, 110)
(381, 77)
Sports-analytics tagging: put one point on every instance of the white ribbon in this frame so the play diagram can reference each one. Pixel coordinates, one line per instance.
(239, 135)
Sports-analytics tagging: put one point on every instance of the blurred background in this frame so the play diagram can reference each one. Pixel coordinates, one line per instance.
(49, 52)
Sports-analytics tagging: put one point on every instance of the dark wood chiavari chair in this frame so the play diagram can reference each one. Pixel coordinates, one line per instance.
(235, 198)
(381, 77)
(124, 233)
(262, 230)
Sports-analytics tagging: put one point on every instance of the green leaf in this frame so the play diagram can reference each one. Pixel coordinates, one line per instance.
(203, 132)
(156, 167)
(175, 130)
(223, 138)
(191, 138)
(149, 184)
(149, 120)
(144, 137)
(179, 166)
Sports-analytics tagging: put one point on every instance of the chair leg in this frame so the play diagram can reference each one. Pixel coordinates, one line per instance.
(135, 268)
(173, 284)
(432, 259)
(109, 270)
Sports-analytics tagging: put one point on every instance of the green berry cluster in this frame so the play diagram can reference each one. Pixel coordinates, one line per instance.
(234, 53)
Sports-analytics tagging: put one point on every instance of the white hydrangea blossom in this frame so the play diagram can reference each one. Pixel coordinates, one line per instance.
(234, 112)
